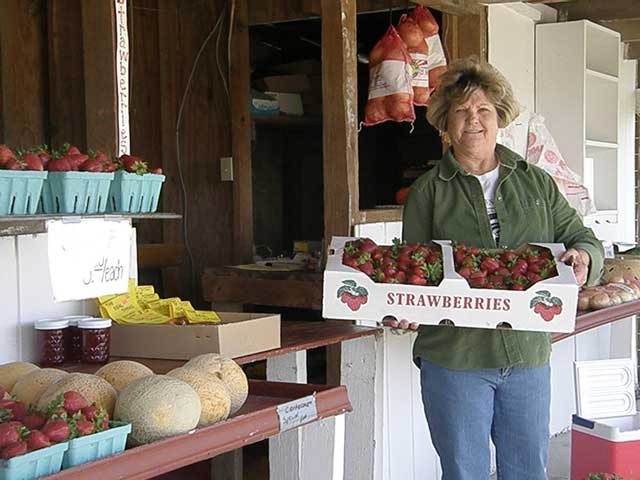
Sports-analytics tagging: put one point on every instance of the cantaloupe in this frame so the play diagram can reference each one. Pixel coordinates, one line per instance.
(157, 406)
(11, 372)
(30, 387)
(214, 397)
(122, 372)
(95, 389)
(226, 370)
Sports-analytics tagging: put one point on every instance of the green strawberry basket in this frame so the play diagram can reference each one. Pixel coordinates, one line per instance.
(133, 193)
(36, 464)
(98, 445)
(20, 191)
(76, 192)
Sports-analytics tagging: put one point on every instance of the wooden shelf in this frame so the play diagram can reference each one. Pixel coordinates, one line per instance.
(589, 320)
(288, 120)
(392, 214)
(255, 421)
(31, 224)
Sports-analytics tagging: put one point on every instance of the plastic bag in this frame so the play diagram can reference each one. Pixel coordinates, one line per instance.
(425, 20)
(390, 91)
(413, 37)
(541, 150)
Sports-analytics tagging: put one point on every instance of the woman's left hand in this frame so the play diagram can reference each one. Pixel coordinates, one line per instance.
(579, 260)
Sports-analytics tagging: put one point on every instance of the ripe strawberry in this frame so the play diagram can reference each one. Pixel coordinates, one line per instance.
(56, 430)
(109, 167)
(37, 440)
(70, 149)
(34, 420)
(99, 156)
(366, 268)
(18, 410)
(520, 266)
(43, 154)
(349, 261)
(61, 164)
(73, 402)
(417, 280)
(6, 154)
(76, 159)
(13, 164)
(10, 433)
(489, 264)
(91, 165)
(133, 164)
(465, 272)
(14, 450)
(508, 257)
(32, 162)
(400, 277)
(84, 427)
(533, 277)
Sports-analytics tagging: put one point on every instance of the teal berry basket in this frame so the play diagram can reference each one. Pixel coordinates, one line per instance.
(36, 464)
(20, 191)
(132, 193)
(98, 445)
(76, 192)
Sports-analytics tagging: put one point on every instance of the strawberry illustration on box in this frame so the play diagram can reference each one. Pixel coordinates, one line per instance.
(546, 305)
(352, 295)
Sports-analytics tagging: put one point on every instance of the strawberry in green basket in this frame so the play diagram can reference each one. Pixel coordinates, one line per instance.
(6, 154)
(32, 162)
(133, 164)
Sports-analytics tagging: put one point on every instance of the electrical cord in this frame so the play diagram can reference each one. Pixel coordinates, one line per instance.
(185, 232)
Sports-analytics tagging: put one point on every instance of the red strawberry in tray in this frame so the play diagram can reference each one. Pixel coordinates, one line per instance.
(73, 402)
(133, 164)
(13, 450)
(84, 427)
(10, 432)
(6, 154)
(61, 164)
(32, 162)
(91, 165)
(57, 430)
(13, 164)
(156, 171)
(37, 440)
(34, 420)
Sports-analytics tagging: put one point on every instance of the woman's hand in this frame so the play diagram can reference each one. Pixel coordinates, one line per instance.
(400, 327)
(579, 260)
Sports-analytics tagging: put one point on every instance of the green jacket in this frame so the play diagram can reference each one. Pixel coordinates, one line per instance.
(447, 203)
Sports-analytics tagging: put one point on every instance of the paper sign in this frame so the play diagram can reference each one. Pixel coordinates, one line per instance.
(296, 413)
(122, 76)
(88, 258)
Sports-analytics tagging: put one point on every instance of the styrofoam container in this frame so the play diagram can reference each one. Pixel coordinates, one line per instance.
(99, 445)
(76, 192)
(39, 463)
(605, 435)
(20, 191)
(453, 301)
(132, 193)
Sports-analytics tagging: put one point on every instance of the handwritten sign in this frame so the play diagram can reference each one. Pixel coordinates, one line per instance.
(296, 413)
(122, 76)
(88, 258)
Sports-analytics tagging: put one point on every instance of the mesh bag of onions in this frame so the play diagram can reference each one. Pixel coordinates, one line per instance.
(390, 91)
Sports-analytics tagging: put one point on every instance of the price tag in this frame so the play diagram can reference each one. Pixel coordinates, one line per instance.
(296, 413)
(88, 258)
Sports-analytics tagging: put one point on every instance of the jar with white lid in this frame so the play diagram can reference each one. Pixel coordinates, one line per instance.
(73, 342)
(50, 341)
(96, 339)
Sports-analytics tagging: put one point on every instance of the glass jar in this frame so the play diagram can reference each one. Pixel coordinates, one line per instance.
(50, 341)
(73, 342)
(96, 339)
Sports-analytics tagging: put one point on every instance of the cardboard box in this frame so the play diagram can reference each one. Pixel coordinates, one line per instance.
(453, 301)
(289, 103)
(239, 334)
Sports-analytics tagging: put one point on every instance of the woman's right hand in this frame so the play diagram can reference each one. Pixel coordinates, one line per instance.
(400, 326)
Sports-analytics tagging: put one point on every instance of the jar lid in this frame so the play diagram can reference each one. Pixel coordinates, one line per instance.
(95, 323)
(51, 324)
(74, 319)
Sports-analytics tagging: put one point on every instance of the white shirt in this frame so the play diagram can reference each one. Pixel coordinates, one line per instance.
(489, 182)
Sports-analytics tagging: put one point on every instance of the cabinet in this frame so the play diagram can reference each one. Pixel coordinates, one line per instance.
(578, 90)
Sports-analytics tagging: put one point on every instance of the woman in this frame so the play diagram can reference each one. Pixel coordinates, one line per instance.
(481, 383)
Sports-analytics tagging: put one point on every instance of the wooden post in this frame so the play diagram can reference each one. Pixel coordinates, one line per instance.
(241, 136)
(22, 60)
(99, 74)
(340, 117)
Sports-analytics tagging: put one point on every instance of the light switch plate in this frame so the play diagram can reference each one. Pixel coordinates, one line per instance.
(226, 169)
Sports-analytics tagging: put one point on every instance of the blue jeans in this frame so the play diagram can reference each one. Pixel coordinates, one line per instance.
(464, 408)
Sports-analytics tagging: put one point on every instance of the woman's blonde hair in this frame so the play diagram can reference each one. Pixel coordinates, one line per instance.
(463, 77)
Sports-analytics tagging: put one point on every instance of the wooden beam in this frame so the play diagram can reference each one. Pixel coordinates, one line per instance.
(454, 7)
(22, 70)
(465, 35)
(340, 117)
(160, 255)
(241, 135)
(629, 29)
(98, 32)
(66, 74)
(602, 9)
